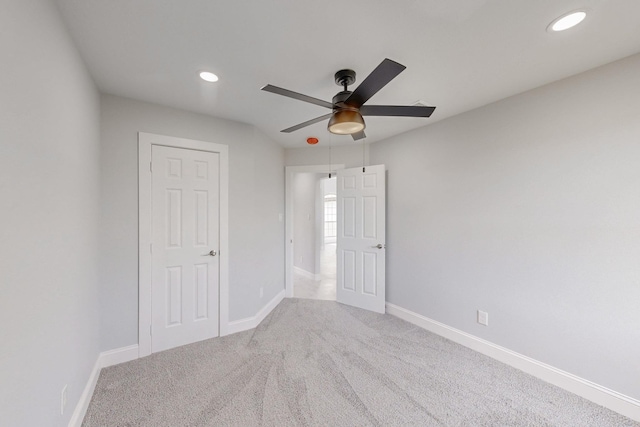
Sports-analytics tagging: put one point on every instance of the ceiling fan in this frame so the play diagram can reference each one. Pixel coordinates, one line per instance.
(348, 107)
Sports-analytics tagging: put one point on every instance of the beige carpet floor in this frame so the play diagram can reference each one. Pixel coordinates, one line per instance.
(320, 363)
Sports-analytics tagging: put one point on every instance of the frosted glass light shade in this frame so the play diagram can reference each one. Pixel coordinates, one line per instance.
(346, 122)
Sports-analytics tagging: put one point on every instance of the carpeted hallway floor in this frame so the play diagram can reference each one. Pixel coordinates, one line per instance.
(320, 363)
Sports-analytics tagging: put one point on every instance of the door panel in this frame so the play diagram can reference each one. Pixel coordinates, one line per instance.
(361, 235)
(185, 228)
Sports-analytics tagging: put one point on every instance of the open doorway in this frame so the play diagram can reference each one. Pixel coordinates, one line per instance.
(329, 230)
(360, 243)
(314, 236)
(311, 214)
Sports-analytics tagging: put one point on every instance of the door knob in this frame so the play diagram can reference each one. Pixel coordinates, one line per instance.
(378, 246)
(211, 253)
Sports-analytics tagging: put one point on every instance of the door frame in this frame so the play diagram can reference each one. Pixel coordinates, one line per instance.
(290, 172)
(145, 143)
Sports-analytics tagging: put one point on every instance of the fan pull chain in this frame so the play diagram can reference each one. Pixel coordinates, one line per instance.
(363, 156)
(330, 162)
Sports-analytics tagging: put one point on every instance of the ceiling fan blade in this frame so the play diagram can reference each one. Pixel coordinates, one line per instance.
(383, 74)
(295, 95)
(358, 135)
(397, 110)
(307, 123)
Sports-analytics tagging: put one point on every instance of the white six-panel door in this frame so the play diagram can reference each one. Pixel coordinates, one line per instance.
(185, 238)
(361, 238)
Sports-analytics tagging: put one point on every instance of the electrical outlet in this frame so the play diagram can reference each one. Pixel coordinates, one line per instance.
(483, 318)
(261, 291)
(63, 399)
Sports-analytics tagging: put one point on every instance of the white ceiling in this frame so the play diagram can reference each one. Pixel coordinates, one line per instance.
(459, 54)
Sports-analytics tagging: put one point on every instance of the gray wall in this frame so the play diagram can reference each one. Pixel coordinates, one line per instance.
(49, 193)
(529, 209)
(256, 198)
(305, 194)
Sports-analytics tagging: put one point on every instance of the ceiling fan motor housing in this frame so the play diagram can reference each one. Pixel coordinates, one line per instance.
(338, 100)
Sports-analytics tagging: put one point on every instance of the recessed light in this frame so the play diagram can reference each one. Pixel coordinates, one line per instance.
(208, 76)
(568, 20)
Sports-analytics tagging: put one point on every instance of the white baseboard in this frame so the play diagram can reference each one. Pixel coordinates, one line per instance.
(254, 321)
(307, 274)
(119, 355)
(126, 354)
(105, 359)
(596, 393)
(85, 398)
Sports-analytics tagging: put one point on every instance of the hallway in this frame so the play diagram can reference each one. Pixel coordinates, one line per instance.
(323, 289)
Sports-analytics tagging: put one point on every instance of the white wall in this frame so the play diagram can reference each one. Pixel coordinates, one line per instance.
(305, 186)
(256, 198)
(49, 193)
(329, 186)
(529, 209)
(350, 154)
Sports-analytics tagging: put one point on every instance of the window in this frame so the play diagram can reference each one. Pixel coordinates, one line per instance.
(330, 218)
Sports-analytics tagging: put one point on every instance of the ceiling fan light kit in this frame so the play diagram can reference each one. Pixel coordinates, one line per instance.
(348, 107)
(346, 121)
